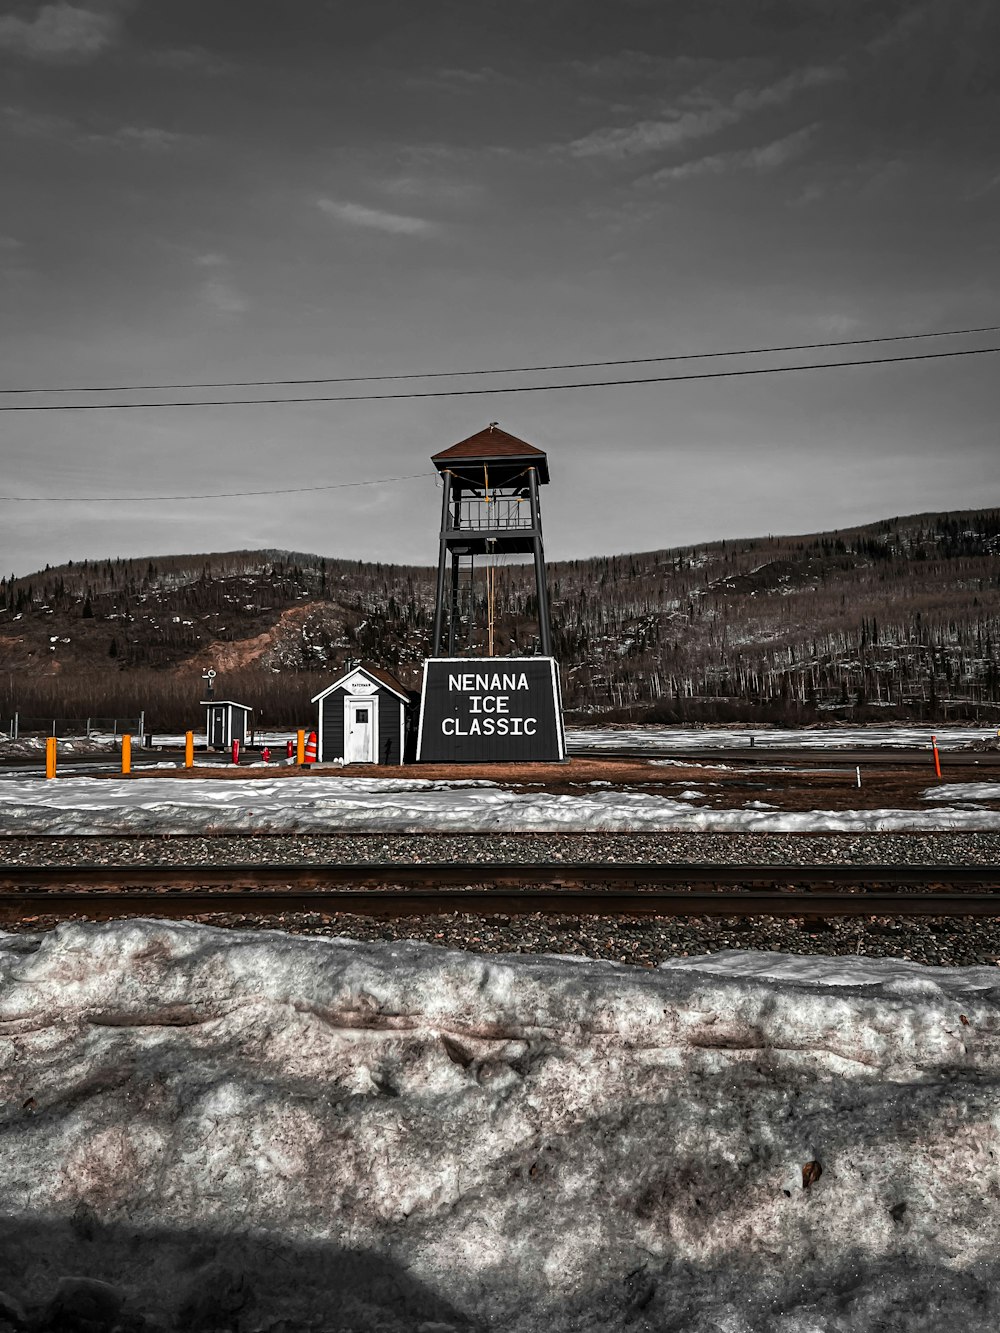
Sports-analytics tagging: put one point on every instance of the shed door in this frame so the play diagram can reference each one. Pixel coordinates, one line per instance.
(359, 730)
(218, 736)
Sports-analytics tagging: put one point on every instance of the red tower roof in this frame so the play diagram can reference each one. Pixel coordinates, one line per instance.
(492, 446)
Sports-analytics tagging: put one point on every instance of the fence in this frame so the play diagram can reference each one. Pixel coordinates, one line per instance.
(20, 725)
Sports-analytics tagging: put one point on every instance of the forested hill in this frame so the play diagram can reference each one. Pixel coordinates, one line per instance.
(902, 617)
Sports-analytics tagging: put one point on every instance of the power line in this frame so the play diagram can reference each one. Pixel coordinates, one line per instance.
(479, 392)
(215, 495)
(507, 370)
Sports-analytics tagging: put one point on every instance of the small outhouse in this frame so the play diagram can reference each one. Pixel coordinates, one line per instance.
(364, 718)
(225, 722)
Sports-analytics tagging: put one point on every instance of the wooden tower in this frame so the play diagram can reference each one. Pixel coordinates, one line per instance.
(489, 508)
(477, 706)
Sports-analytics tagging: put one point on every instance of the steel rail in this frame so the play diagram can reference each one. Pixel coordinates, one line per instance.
(433, 876)
(480, 873)
(591, 889)
(492, 902)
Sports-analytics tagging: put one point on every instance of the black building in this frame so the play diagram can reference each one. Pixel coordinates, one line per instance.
(364, 718)
(225, 722)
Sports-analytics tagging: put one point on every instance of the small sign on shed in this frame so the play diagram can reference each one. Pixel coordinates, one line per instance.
(363, 718)
(225, 722)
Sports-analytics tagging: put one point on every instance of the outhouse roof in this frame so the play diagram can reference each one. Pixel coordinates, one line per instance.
(376, 674)
(225, 703)
(492, 445)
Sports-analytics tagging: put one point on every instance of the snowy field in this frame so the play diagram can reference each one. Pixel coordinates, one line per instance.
(655, 739)
(254, 1130)
(81, 805)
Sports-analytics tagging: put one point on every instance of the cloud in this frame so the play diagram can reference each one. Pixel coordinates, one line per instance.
(59, 32)
(217, 288)
(35, 124)
(765, 157)
(40, 125)
(149, 137)
(902, 28)
(377, 219)
(712, 115)
(631, 64)
(191, 60)
(222, 295)
(483, 75)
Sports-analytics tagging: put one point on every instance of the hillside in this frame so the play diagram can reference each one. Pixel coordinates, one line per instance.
(901, 616)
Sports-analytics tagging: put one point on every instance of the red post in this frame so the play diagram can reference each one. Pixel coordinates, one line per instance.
(290, 749)
(937, 757)
(236, 752)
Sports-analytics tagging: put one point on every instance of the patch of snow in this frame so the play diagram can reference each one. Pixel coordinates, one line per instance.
(963, 791)
(328, 1133)
(81, 805)
(724, 738)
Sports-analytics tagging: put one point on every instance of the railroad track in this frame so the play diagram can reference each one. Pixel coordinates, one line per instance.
(425, 890)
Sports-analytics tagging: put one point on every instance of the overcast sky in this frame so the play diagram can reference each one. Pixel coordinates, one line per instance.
(213, 190)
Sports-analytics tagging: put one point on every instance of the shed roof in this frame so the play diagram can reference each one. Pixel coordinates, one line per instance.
(492, 445)
(377, 674)
(225, 703)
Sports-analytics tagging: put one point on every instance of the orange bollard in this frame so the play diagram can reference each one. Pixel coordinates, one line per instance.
(126, 754)
(300, 747)
(937, 757)
(189, 749)
(50, 756)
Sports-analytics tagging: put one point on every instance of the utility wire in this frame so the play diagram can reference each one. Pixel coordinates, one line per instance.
(215, 495)
(510, 370)
(478, 392)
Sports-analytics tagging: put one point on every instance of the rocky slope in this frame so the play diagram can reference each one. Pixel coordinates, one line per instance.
(897, 618)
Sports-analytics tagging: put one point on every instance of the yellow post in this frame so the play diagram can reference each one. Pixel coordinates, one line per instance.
(300, 747)
(50, 756)
(126, 754)
(189, 749)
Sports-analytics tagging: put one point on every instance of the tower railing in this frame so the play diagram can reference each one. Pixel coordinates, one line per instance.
(500, 512)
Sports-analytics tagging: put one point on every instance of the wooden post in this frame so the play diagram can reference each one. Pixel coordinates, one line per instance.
(126, 753)
(189, 749)
(541, 590)
(50, 756)
(442, 568)
(300, 747)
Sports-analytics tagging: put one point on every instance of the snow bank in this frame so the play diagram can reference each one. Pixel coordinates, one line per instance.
(81, 805)
(963, 791)
(234, 1129)
(727, 738)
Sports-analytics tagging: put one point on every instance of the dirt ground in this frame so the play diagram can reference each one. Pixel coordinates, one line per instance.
(725, 787)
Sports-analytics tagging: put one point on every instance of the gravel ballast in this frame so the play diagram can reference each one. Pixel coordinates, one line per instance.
(723, 849)
(644, 942)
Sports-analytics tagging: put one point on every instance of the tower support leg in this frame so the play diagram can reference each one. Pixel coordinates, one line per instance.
(453, 613)
(541, 588)
(442, 567)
